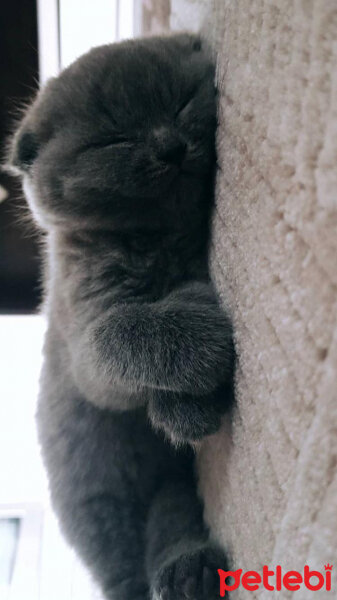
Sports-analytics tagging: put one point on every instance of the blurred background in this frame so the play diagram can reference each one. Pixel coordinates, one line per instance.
(38, 39)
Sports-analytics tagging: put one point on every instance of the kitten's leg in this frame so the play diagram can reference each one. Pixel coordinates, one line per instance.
(181, 562)
(186, 418)
(181, 343)
(108, 534)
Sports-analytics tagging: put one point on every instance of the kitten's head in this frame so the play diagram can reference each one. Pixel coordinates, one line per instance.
(124, 137)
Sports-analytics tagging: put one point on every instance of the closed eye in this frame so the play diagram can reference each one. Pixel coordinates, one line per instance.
(183, 106)
(107, 143)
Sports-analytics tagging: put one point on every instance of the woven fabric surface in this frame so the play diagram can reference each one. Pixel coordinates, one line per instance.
(269, 477)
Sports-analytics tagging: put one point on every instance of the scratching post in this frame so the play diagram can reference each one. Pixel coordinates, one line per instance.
(269, 478)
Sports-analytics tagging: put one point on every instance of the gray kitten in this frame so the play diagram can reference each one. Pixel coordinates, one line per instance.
(117, 159)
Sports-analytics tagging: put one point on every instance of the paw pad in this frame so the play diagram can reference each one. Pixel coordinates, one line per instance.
(191, 576)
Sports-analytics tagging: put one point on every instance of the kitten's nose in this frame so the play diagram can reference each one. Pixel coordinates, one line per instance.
(173, 152)
(170, 147)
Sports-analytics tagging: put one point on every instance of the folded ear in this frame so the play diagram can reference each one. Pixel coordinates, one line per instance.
(23, 150)
(23, 146)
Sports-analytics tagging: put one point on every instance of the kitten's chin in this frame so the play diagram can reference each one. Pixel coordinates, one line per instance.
(196, 168)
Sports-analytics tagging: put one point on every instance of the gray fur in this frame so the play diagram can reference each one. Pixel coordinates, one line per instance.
(117, 159)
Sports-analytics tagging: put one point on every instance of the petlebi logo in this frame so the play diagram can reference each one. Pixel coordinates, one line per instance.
(275, 580)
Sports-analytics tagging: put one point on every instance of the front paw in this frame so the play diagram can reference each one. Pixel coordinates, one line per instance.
(191, 576)
(185, 418)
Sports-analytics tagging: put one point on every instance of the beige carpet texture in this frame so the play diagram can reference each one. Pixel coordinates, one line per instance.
(269, 478)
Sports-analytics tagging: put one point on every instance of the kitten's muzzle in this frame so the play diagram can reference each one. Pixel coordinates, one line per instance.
(170, 147)
(174, 153)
